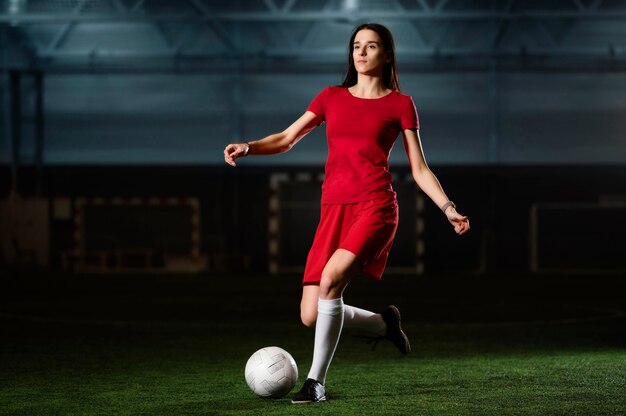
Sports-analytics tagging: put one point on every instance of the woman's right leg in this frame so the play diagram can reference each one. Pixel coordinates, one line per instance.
(353, 317)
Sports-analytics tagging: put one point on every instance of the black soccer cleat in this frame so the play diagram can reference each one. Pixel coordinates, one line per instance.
(311, 392)
(395, 334)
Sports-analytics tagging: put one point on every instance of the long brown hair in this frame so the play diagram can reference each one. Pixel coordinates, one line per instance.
(390, 72)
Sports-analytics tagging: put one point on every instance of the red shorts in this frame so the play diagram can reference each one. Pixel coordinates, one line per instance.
(366, 229)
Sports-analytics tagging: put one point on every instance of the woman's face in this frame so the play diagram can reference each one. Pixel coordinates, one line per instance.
(367, 51)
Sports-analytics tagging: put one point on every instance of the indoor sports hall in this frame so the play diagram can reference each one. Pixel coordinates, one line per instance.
(139, 271)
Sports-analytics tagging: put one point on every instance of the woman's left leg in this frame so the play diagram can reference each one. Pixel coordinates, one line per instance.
(339, 271)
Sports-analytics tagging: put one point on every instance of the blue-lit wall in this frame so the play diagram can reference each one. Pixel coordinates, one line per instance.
(473, 118)
(4, 119)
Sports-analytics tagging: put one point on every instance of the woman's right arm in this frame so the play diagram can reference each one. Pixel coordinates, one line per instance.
(274, 143)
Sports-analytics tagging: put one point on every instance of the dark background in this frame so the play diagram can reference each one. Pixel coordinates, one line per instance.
(522, 120)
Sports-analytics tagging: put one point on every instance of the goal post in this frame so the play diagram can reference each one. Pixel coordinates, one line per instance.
(136, 235)
(294, 207)
(577, 237)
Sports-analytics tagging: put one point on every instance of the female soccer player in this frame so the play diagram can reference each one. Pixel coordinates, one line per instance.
(359, 212)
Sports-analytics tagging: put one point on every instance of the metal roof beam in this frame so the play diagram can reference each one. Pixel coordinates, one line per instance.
(215, 26)
(119, 6)
(271, 5)
(288, 6)
(503, 25)
(66, 29)
(595, 5)
(321, 16)
(423, 4)
(439, 6)
(545, 33)
(138, 5)
(335, 56)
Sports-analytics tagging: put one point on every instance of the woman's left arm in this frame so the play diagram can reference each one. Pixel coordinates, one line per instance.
(427, 181)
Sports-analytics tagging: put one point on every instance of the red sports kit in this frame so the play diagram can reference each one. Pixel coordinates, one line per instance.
(359, 211)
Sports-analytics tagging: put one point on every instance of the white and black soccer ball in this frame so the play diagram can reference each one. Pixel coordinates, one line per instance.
(271, 372)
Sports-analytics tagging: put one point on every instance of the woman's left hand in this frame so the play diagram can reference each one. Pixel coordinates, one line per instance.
(458, 221)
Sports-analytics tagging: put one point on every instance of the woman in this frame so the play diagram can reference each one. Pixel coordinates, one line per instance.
(359, 212)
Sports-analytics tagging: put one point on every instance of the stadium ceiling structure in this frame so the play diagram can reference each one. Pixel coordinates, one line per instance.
(305, 34)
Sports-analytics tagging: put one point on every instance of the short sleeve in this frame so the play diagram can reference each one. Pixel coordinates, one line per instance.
(318, 105)
(408, 117)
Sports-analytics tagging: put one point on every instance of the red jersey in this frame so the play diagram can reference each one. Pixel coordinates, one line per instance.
(360, 133)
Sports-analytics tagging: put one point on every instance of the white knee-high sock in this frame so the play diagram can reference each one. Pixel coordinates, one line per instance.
(354, 317)
(327, 332)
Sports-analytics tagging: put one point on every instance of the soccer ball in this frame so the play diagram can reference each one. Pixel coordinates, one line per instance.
(271, 372)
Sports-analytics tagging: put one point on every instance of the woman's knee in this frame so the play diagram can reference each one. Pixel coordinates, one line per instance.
(332, 284)
(337, 274)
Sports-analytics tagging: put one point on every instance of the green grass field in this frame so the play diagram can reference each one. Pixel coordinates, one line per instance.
(177, 345)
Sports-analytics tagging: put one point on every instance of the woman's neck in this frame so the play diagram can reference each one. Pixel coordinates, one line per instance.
(369, 87)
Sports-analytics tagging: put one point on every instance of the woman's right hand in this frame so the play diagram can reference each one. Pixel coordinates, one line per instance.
(234, 151)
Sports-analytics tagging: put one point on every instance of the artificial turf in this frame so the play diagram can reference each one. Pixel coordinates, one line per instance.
(177, 345)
